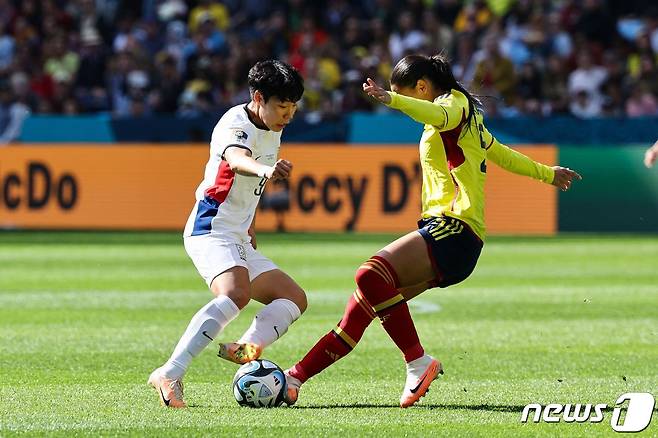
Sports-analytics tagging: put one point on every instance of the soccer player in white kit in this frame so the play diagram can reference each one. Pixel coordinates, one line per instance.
(219, 235)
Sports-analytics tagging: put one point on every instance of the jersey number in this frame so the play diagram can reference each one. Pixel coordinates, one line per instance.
(261, 186)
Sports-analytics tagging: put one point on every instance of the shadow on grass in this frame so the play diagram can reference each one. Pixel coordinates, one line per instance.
(485, 407)
(493, 408)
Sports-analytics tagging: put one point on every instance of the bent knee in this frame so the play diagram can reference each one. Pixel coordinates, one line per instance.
(361, 276)
(374, 271)
(377, 280)
(239, 295)
(298, 296)
(301, 301)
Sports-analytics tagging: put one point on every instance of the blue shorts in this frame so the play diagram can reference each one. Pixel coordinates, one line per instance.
(453, 248)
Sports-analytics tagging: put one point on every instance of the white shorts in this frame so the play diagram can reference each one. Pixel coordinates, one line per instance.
(213, 255)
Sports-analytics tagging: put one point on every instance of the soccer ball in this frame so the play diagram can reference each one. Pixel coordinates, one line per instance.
(259, 384)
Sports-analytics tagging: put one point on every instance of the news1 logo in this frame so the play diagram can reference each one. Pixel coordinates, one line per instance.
(638, 414)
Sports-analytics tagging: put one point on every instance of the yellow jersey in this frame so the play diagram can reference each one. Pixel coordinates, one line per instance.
(454, 157)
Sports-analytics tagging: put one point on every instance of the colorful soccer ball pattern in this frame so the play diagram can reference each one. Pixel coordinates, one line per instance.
(259, 384)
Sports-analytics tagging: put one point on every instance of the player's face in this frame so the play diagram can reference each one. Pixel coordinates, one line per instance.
(276, 114)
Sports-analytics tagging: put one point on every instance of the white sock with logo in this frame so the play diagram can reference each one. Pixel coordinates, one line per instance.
(204, 327)
(271, 322)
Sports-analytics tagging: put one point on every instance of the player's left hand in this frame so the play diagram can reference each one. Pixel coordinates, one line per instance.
(252, 233)
(564, 177)
(373, 90)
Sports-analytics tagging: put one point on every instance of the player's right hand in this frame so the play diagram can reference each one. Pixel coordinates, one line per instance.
(280, 170)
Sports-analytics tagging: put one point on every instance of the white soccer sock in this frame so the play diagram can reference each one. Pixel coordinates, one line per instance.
(271, 322)
(203, 328)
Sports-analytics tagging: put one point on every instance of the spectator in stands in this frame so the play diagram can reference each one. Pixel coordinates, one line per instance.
(302, 42)
(521, 52)
(648, 75)
(353, 98)
(407, 38)
(473, 17)
(494, 74)
(613, 100)
(554, 86)
(61, 63)
(215, 11)
(466, 61)
(353, 34)
(7, 13)
(90, 81)
(26, 35)
(168, 84)
(641, 102)
(169, 10)
(558, 41)
(439, 36)
(14, 107)
(652, 30)
(90, 21)
(595, 23)
(529, 89)
(584, 106)
(642, 50)
(587, 78)
(276, 35)
(5, 103)
(62, 93)
(7, 49)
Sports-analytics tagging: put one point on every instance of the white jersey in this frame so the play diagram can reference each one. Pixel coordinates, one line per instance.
(226, 202)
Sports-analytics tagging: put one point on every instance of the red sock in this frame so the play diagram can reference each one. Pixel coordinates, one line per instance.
(338, 342)
(356, 319)
(400, 327)
(378, 281)
(324, 353)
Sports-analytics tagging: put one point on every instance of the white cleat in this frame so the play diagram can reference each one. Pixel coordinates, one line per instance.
(169, 391)
(420, 375)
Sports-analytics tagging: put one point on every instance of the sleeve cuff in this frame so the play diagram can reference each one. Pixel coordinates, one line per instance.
(549, 175)
(395, 100)
(235, 146)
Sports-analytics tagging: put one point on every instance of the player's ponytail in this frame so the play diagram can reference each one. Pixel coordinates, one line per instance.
(446, 80)
(437, 69)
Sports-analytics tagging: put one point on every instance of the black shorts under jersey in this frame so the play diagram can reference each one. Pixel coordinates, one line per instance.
(453, 248)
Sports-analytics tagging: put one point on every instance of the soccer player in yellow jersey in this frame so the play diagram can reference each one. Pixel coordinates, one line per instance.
(454, 150)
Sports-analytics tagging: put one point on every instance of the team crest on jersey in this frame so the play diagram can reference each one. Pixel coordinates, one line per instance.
(240, 135)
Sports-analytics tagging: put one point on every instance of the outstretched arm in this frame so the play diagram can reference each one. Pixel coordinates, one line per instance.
(422, 111)
(516, 162)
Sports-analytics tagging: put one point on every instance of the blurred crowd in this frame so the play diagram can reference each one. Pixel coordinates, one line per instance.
(131, 58)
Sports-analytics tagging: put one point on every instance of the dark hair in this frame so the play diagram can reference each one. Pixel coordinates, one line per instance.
(276, 78)
(437, 70)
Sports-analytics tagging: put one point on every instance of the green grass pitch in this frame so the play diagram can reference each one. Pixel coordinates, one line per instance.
(85, 317)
